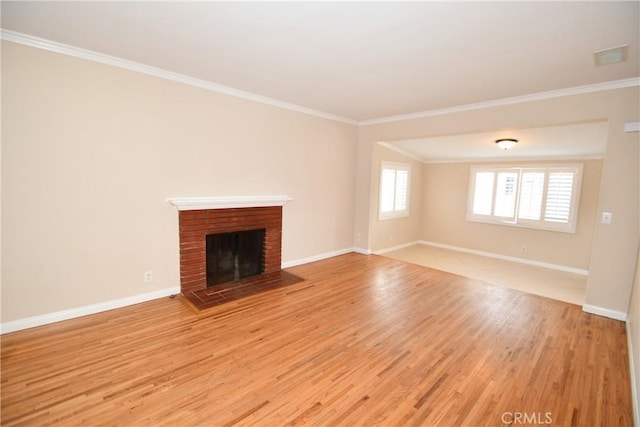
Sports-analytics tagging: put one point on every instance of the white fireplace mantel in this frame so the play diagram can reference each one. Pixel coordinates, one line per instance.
(199, 203)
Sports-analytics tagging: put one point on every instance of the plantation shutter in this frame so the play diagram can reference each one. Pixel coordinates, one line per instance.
(540, 196)
(394, 190)
(402, 181)
(531, 192)
(387, 190)
(505, 204)
(559, 193)
(483, 193)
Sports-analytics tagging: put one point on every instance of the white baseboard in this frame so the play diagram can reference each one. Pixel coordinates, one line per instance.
(362, 251)
(58, 316)
(319, 257)
(395, 248)
(632, 372)
(604, 312)
(509, 258)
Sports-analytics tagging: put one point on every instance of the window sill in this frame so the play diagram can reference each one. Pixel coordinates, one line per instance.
(564, 228)
(393, 215)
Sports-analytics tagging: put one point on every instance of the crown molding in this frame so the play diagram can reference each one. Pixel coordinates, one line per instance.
(400, 151)
(52, 46)
(40, 43)
(390, 146)
(577, 90)
(516, 159)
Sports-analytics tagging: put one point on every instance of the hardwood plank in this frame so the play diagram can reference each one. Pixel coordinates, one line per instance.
(363, 340)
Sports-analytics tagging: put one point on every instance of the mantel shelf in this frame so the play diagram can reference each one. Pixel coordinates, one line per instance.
(199, 203)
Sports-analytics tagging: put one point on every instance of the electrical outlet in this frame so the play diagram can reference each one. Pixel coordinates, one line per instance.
(148, 276)
(358, 237)
(523, 249)
(606, 217)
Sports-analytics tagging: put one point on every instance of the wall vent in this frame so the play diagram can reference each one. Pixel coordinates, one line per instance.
(611, 55)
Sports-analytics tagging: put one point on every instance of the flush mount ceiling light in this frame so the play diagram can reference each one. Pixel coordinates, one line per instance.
(611, 55)
(506, 143)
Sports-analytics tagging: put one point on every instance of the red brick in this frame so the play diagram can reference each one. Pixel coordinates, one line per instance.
(195, 225)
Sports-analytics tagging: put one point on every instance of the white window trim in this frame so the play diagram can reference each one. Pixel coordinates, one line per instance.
(569, 227)
(396, 213)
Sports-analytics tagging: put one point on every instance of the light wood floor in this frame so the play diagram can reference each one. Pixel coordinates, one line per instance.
(560, 285)
(364, 340)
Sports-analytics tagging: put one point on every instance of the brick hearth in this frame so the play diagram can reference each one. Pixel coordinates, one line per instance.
(196, 224)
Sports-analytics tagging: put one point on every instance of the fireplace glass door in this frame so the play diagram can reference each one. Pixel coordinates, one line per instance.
(234, 256)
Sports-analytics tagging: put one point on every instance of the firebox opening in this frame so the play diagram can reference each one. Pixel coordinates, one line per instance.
(234, 256)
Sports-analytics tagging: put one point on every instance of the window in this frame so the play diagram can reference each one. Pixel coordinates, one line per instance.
(394, 190)
(544, 197)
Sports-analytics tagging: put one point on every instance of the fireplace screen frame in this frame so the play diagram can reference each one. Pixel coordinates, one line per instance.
(234, 256)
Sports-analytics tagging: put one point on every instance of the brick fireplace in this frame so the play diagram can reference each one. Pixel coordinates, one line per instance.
(195, 225)
(199, 217)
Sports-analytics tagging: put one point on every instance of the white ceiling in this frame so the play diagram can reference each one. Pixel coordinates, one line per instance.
(357, 60)
(571, 141)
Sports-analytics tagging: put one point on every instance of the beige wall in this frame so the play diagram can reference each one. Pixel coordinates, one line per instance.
(444, 219)
(397, 231)
(634, 336)
(611, 266)
(613, 257)
(91, 153)
(633, 328)
(364, 187)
